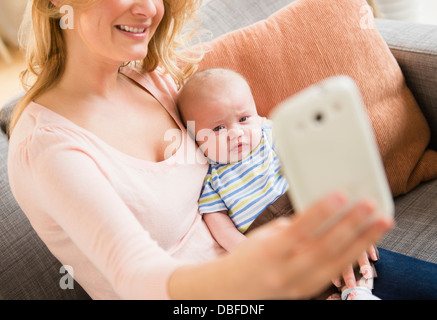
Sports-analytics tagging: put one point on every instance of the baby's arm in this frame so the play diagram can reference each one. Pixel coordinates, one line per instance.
(223, 229)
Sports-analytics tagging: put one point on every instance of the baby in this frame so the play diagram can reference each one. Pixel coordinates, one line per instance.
(243, 177)
(244, 187)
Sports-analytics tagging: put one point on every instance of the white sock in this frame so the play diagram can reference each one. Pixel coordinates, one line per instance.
(358, 293)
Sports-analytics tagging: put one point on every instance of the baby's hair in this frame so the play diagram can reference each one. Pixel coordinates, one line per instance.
(204, 77)
(211, 73)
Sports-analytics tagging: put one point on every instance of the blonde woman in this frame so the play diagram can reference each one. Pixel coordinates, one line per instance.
(87, 164)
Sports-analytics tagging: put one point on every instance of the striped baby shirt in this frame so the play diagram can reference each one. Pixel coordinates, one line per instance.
(247, 187)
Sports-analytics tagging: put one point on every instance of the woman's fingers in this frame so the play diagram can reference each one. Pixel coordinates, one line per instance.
(349, 277)
(372, 234)
(337, 282)
(373, 253)
(305, 227)
(365, 268)
(323, 256)
(363, 209)
(332, 241)
(350, 253)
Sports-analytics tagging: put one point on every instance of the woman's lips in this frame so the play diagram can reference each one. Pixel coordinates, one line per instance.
(138, 32)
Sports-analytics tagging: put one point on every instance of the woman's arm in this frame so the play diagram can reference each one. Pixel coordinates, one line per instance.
(223, 229)
(286, 258)
(68, 185)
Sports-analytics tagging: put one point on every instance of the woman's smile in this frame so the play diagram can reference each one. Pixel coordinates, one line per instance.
(138, 32)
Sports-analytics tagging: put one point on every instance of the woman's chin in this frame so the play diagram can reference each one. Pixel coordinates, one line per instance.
(135, 56)
(138, 58)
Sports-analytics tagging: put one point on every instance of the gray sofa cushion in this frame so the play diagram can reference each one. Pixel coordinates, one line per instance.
(6, 111)
(415, 48)
(27, 269)
(415, 233)
(219, 19)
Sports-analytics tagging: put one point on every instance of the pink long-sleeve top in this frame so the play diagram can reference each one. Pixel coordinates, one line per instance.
(123, 224)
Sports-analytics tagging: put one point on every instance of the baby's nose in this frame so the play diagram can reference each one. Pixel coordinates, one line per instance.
(235, 132)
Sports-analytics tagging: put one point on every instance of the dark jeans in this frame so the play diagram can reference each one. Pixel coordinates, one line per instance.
(404, 278)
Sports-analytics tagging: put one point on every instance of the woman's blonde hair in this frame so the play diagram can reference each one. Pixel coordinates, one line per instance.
(46, 51)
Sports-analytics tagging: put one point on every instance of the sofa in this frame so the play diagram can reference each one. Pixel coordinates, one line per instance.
(29, 271)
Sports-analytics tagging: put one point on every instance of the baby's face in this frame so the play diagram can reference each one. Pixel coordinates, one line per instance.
(227, 125)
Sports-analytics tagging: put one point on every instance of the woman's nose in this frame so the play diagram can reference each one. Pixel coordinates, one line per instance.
(146, 8)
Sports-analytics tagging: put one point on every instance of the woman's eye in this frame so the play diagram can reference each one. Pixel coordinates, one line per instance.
(218, 128)
(243, 119)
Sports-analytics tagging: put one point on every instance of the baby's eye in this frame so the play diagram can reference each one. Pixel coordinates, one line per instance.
(243, 119)
(218, 128)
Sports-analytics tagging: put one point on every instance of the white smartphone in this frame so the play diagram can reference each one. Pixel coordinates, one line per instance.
(325, 142)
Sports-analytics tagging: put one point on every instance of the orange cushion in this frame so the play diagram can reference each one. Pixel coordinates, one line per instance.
(310, 40)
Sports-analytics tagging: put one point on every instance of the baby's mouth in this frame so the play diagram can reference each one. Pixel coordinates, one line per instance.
(239, 146)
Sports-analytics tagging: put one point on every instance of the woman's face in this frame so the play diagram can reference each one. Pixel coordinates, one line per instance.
(119, 30)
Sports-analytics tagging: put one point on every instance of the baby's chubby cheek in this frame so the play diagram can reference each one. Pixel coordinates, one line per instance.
(214, 147)
(218, 148)
(255, 137)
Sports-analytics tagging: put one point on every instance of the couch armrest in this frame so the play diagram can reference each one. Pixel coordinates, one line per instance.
(415, 48)
(6, 111)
